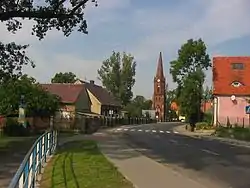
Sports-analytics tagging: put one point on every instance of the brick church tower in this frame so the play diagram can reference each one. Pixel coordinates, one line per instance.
(159, 101)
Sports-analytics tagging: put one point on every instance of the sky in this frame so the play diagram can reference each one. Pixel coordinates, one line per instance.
(143, 29)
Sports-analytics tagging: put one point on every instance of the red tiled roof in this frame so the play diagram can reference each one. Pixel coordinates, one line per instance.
(224, 76)
(67, 92)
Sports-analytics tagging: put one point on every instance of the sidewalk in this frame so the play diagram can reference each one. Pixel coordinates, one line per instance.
(208, 134)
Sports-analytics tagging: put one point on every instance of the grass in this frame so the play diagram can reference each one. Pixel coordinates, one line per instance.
(14, 144)
(80, 164)
(235, 132)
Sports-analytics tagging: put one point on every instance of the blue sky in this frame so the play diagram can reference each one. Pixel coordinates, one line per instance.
(142, 28)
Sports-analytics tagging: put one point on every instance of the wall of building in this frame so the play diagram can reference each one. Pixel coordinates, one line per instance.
(225, 109)
(83, 103)
(95, 104)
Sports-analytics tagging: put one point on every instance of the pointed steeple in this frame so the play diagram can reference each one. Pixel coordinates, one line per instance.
(159, 72)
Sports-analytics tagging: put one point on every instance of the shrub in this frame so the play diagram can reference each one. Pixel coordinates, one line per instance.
(203, 126)
(14, 128)
(208, 118)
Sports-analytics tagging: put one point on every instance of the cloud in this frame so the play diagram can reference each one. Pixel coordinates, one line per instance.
(218, 23)
(48, 65)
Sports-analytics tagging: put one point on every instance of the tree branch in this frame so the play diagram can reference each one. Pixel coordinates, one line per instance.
(78, 6)
(34, 14)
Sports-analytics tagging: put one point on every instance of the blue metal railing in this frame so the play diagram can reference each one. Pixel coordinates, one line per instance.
(34, 160)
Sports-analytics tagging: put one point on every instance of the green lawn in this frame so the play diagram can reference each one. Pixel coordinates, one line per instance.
(80, 164)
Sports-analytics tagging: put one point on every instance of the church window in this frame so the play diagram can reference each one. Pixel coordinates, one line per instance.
(158, 90)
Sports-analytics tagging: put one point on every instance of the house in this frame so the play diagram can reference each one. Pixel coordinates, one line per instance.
(74, 98)
(102, 102)
(231, 90)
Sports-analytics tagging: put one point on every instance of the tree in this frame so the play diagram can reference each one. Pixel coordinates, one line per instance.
(12, 59)
(37, 100)
(117, 75)
(67, 77)
(138, 104)
(62, 15)
(188, 72)
(207, 94)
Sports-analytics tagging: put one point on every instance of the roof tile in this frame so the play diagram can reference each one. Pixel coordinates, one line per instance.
(67, 92)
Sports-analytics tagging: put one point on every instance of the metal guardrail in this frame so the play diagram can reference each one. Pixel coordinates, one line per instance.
(34, 160)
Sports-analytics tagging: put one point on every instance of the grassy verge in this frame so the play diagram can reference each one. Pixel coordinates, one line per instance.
(15, 144)
(80, 164)
(236, 133)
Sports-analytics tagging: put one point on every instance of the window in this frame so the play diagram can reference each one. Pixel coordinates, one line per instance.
(238, 66)
(158, 89)
(236, 84)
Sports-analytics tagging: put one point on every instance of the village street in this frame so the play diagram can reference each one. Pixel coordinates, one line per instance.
(209, 163)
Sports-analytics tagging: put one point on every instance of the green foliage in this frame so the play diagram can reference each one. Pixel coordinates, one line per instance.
(47, 14)
(203, 126)
(13, 128)
(207, 94)
(37, 100)
(12, 59)
(136, 106)
(236, 133)
(117, 74)
(67, 77)
(208, 117)
(188, 72)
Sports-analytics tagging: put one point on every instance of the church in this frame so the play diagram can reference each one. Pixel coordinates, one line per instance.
(159, 97)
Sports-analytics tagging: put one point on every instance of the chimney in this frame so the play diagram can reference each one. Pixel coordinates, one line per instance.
(92, 82)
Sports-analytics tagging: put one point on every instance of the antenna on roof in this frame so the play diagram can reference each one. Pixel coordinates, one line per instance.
(85, 78)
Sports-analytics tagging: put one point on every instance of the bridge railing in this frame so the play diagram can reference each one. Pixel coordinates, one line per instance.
(34, 160)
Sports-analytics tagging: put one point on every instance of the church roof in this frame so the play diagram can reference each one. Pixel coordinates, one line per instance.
(159, 71)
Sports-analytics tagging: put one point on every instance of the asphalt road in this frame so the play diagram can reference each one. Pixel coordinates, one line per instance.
(205, 161)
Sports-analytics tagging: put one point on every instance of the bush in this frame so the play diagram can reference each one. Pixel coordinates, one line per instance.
(208, 118)
(203, 126)
(14, 128)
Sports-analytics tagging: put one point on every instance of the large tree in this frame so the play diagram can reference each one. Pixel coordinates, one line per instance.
(117, 75)
(66, 77)
(188, 72)
(63, 15)
(38, 101)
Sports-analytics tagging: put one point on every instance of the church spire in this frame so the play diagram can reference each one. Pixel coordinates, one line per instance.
(159, 72)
